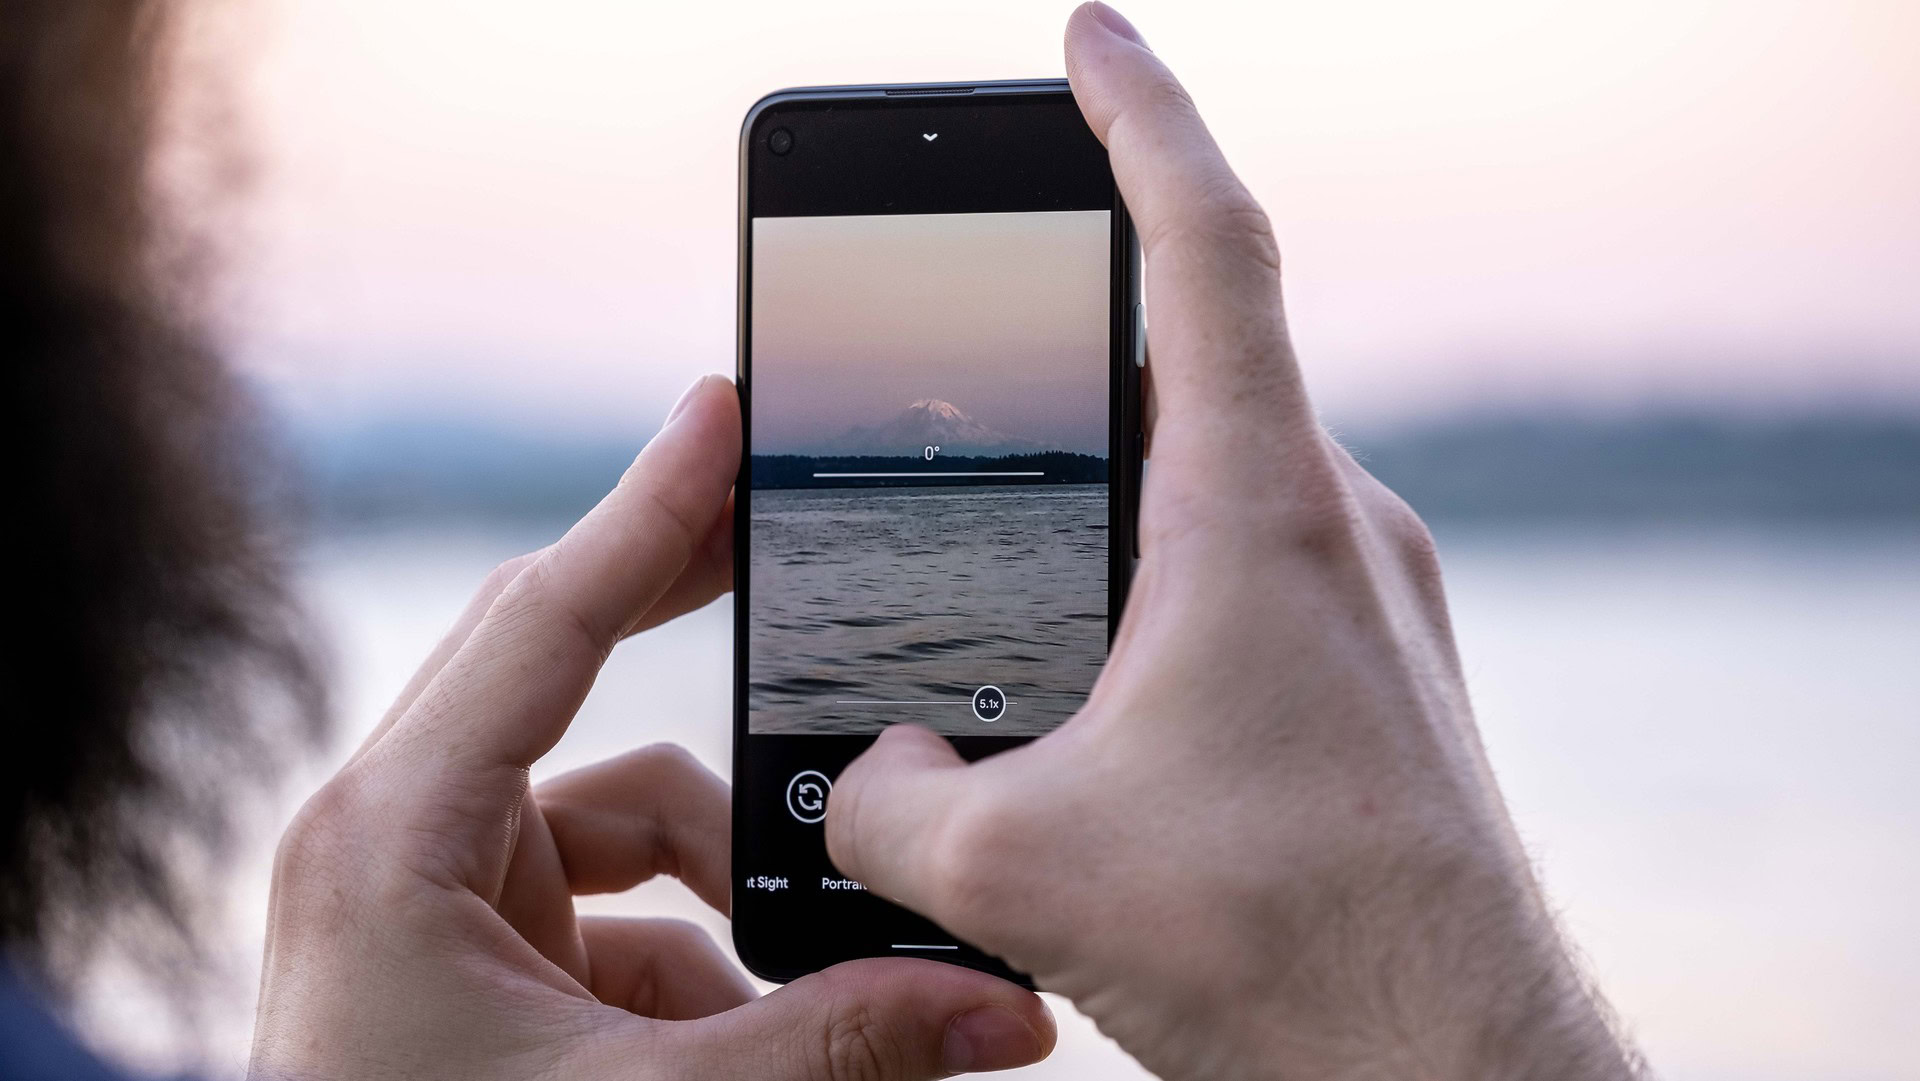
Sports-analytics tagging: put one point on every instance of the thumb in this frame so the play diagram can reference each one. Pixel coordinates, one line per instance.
(888, 808)
(877, 1020)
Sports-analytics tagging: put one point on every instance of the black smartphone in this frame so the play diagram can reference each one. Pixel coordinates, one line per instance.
(939, 373)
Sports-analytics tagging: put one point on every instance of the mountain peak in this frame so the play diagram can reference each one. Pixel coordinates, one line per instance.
(931, 422)
(939, 408)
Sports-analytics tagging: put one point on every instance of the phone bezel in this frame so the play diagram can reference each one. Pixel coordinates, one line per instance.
(956, 192)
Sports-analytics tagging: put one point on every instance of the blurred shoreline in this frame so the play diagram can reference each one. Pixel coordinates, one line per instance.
(1693, 681)
(1660, 467)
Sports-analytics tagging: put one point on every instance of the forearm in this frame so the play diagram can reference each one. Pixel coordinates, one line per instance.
(1437, 971)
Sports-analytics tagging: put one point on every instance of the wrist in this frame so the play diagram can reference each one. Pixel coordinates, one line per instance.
(1439, 964)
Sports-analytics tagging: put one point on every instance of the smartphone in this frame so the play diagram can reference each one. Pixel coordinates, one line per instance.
(939, 374)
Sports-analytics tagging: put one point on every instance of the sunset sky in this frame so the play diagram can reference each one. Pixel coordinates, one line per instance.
(1001, 315)
(527, 212)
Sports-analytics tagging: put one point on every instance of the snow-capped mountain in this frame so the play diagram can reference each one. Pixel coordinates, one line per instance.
(931, 422)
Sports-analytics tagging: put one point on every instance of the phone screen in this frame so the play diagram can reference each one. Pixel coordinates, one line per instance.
(929, 471)
(927, 517)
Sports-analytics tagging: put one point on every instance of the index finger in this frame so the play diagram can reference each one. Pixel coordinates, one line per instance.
(508, 693)
(709, 575)
(1224, 369)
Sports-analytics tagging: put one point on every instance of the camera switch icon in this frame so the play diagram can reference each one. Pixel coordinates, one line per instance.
(807, 795)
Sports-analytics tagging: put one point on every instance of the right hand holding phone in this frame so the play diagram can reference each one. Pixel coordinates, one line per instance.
(1270, 844)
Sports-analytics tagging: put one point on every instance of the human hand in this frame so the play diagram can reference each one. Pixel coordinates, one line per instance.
(1270, 844)
(422, 920)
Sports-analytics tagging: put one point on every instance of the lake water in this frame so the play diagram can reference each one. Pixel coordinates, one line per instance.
(875, 605)
(1709, 741)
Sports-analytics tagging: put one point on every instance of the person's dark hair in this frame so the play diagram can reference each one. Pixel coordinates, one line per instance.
(154, 663)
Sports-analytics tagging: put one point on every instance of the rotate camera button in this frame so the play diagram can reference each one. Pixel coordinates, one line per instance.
(807, 795)
(989, 704)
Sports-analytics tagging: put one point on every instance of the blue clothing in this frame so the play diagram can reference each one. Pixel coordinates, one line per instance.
(35, 1046)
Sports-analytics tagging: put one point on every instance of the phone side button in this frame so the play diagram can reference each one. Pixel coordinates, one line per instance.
(1139, 335)
(1136, 473)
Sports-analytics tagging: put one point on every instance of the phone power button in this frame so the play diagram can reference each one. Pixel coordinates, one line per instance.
(807, 795)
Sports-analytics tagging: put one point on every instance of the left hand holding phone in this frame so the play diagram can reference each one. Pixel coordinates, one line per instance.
(422, 920)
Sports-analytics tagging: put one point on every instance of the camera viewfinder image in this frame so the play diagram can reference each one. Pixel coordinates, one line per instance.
(929, 461)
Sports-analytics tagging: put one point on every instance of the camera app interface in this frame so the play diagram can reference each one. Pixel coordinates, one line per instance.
(929, 462)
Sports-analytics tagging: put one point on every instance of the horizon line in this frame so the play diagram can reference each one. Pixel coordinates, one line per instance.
(970, 473)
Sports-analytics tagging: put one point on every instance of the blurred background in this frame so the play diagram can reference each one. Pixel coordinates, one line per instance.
(1623, 296)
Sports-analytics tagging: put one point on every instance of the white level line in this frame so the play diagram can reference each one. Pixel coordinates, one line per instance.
(885, 702)
(911, 946)
(981, 473)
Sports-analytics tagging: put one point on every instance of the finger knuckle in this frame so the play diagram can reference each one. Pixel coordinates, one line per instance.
(666, 513)
(1411, 547)
(1324, 520)
(846, 823)
(1164, 93)
(1397, 528)
(673, 771)
(503, 574)
(857, 1046)
(683, 935)
(974, 856)
(677, 944)
(532, 606)
(318, 831)
(666, 760)
(1221, 216)
(1241, 220)
(321, 865)
(1408, 534)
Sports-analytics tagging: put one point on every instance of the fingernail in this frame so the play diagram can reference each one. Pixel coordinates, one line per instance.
(1117, 23)
(685, 397)
(989, 1038)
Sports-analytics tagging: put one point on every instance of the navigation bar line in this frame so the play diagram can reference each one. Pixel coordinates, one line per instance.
(978, 473)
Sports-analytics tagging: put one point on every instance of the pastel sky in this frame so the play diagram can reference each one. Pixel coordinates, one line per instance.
(528, 210)
(1002, 315)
